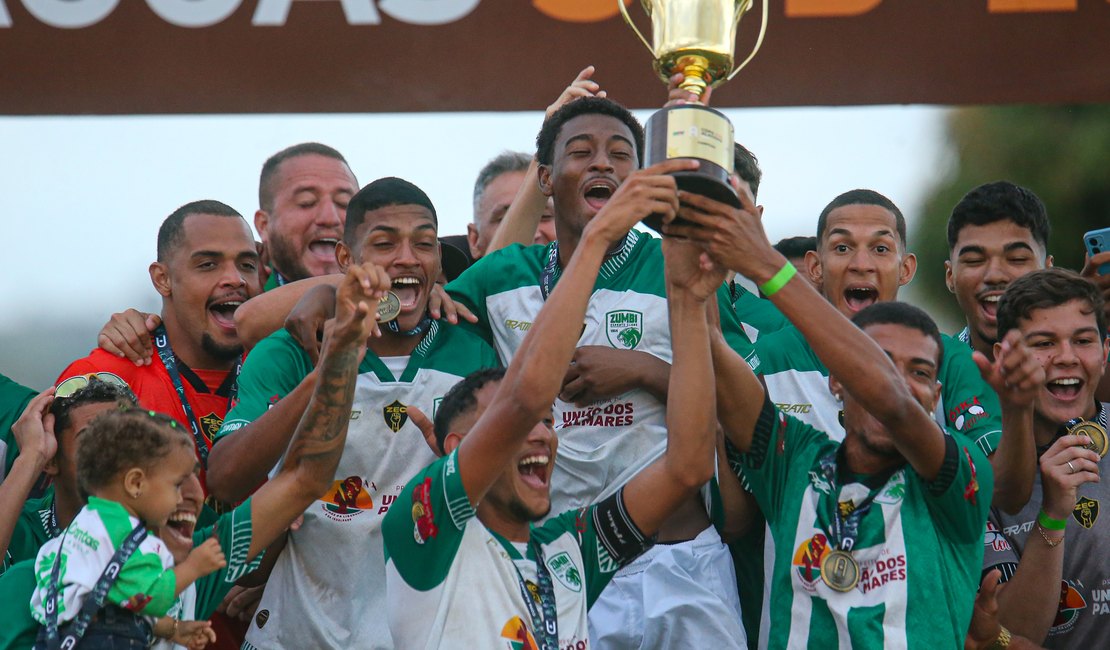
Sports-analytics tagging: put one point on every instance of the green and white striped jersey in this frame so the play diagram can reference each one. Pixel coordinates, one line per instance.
(311, 600)
(453, 583)
(919, 546)
(798, 383)
(601, 445)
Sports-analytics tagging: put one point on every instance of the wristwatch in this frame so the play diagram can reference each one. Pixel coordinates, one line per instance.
(1002, 640)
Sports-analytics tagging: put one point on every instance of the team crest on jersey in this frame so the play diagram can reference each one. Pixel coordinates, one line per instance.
(894, 490)
(348, 498)
(518, 635)
(624, 328)
(210, 424)
(396, 415)
(1085, 512)
(562, 567)
(807, 560)
(1072, 605)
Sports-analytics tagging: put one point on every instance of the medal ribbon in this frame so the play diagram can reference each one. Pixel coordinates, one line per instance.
(165, 352)
(94, 600)
(551, 271)
(419, 330)
(545, 620)
(845, 531)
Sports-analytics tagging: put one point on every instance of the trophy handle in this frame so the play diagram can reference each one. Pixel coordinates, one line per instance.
(758, 41)
(628, 19)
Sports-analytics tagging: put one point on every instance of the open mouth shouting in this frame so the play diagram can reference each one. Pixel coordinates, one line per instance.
(1065, 389)
(859, 297)
(407, 290)
(988, 304)
(535, 469)
(179, 528)
(598, 191)
(222, 311)
(323, 249)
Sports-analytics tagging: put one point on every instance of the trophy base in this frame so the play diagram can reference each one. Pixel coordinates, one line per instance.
(692, 131)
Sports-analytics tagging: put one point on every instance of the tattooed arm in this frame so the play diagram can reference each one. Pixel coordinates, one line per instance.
(314, 451)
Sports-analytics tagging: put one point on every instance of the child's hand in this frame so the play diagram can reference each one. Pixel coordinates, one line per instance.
(194, 635)
(207, 557)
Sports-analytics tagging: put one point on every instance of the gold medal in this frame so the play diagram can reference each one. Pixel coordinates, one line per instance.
(389, 307)
(1094, 431)
(839, 570)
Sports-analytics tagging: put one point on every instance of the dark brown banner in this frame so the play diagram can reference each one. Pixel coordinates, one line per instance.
(262, 56)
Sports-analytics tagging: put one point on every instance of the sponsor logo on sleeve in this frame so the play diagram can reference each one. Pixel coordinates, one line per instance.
(972, 487)
(964, 416)
(423, 519)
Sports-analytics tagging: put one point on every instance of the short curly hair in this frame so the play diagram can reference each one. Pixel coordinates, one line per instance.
(552, 126)
(122, 438)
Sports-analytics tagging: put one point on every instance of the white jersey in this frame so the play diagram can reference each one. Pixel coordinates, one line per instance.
(453, 583)
(327, 589)
(602, 445)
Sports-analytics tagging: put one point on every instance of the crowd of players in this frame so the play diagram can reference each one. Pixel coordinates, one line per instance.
(750, 445)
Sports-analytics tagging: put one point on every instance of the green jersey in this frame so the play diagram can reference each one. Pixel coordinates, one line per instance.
(601, 445)
(311, 600)
(917, 541)
(19, 629)
(37, 523)
(13, 399)
(757, 315)
(798, 382)
(453, 583)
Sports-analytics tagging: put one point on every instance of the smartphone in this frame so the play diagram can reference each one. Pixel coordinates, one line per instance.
(1096, 242)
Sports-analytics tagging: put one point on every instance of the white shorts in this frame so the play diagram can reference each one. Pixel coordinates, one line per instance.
(674, 596)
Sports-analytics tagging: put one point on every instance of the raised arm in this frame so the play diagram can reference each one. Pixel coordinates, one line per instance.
(317, 445)
(525, 395)
(653, 494)
(265, 313)
(34, 433)
(523, 216)
(735, 239)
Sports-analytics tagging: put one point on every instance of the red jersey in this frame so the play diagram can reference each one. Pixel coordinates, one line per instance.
(206, 390)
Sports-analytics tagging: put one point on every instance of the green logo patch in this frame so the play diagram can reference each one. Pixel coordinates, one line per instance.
(624, 328)
(562, 567)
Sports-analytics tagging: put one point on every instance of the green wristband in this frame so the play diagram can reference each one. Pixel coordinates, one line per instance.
(1048, 523)
(779, 280)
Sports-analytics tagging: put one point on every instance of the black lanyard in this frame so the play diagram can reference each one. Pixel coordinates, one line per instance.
(165, 352)
(551, 271)
(50, 520)
(545, 620)
(419, 330)
(93, 600)
(845, 530)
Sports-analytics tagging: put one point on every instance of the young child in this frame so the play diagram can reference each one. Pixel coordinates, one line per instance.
(131, 464)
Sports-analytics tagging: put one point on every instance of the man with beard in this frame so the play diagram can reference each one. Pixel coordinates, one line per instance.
(1058, 589)
(302, 202)
(467, 564)
(207, 266)
(312, 599)
(247, 530)
(588, 153)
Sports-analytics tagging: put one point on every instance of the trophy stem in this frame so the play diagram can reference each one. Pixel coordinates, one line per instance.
(693, 70)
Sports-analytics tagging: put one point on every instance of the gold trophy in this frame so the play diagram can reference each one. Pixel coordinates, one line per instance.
(696, 38)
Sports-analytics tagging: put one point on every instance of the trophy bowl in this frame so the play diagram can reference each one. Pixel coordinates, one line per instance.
(698, 39)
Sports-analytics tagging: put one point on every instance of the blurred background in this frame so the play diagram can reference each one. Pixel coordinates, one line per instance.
(106, 127)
